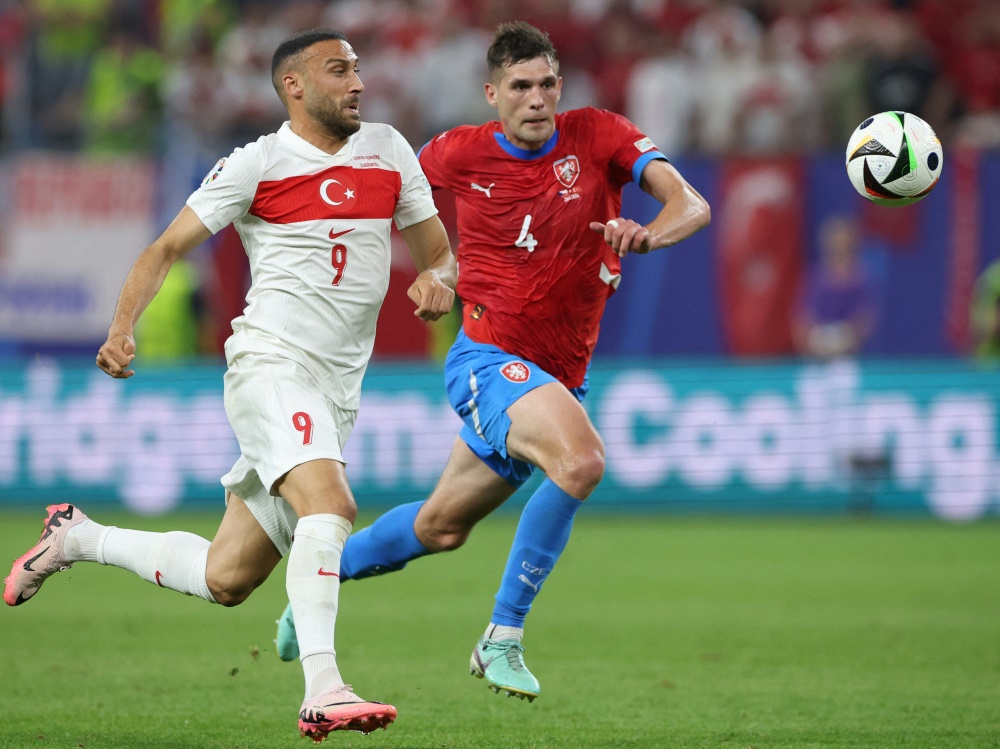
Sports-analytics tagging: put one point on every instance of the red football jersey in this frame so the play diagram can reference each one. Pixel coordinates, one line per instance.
(532, 276)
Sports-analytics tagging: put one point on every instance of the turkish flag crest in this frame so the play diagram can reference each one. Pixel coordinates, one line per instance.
(567, 170)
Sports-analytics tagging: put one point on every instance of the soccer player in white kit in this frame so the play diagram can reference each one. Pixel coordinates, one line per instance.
(313, 204)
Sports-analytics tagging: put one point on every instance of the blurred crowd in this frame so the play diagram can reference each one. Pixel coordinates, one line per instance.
(189, 79)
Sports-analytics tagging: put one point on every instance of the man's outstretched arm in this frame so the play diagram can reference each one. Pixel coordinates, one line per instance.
(684, 212)
(185, 233)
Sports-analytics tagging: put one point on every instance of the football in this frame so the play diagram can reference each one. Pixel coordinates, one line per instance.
(894, 158)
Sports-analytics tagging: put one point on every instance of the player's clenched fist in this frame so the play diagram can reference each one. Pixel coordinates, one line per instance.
(433, 297)
(116, 354)
(624, 236)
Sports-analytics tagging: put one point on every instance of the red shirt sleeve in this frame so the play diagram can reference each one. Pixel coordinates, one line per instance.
(630, 149)
(433, 159)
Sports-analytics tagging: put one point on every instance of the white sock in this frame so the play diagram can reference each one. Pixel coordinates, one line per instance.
(175, 560)
(501, 632)
(83, 541)
(313, 585)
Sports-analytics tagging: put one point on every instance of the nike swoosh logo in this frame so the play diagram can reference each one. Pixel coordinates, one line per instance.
(339, 233)
(27, 565)
(484, 663)
(327, 574)
(158, 576)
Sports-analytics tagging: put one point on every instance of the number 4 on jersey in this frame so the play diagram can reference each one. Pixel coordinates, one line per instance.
(525, 239)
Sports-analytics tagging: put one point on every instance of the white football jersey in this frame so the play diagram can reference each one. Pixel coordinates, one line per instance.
(316, 230)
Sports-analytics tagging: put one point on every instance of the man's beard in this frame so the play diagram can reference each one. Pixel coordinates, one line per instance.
(331, 116)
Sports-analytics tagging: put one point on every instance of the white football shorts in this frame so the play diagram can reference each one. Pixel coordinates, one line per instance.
(281, 419)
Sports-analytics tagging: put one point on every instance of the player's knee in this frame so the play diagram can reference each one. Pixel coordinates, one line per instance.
(230, 596)
(582, 472)
(443, 536)
(227, 591)
(438, 540)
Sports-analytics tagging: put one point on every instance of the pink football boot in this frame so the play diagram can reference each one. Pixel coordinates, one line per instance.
(342, 710)
(44, 558)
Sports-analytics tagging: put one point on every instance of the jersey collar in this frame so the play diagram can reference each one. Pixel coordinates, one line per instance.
(288, 135)
(523, 153)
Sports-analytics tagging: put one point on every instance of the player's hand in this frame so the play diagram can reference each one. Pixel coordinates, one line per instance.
(433, 297)
(624, 236)
(116, 354)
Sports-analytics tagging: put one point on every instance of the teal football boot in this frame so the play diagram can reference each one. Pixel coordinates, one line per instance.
(501, 663)
(287, 642)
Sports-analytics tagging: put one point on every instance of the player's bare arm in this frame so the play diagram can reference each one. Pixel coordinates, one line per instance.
(684, 212)
(185, 233)
(434, 289)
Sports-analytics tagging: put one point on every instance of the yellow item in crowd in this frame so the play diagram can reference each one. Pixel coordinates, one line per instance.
(168, 328)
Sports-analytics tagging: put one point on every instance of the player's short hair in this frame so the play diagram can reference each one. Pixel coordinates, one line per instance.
(290, 49)
(516, 42)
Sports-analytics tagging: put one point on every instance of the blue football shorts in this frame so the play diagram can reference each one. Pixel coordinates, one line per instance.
(482, 382)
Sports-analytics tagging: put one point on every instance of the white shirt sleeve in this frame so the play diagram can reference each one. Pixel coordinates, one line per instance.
(227, 191)
(415, 201)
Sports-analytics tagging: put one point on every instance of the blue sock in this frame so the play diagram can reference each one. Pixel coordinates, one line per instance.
(542, 534)
(384, 546)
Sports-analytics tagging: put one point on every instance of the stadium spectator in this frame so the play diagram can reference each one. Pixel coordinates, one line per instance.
(574, 30)
(63, 38)
(199, 109)
(723, 43)
(901, 74)
(244, 55)
(937, 58)
(727, 97)
(391, 36)
(976, 66)
(183, 23)
(301, 200)
(666, 75)
(835, 318)
(985, 317)
(618, 48)
(11, 40)
(449, 64)
(841, 79)
(175, 324)
(540, 246)
(778, 113)
(122, 106)
(837, 311)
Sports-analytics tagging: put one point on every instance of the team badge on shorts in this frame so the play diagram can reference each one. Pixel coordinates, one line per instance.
(214, 174)
(516, 371)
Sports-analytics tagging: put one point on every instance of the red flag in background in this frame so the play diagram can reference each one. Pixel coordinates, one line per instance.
(760, 253)
(963, 246)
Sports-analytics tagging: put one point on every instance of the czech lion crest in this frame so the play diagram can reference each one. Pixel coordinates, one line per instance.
(567, 170)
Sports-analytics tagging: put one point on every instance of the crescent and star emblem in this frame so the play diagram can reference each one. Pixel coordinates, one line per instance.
(348, 193)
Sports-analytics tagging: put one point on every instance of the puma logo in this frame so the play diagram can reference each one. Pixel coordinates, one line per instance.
(526, 581)
(486, 190)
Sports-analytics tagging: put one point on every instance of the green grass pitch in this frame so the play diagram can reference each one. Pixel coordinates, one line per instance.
(655, 631)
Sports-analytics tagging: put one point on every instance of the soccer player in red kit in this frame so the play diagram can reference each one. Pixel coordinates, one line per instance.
(540, 247)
